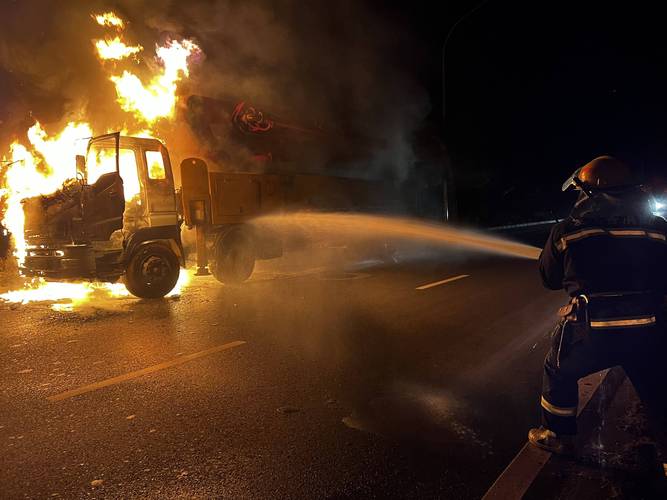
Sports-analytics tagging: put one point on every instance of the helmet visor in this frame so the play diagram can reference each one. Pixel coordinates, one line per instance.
(570, 180)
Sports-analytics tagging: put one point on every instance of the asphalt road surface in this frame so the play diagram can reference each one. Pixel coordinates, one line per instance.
(301, 383)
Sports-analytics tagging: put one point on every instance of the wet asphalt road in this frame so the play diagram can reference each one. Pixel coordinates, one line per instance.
(348, 384)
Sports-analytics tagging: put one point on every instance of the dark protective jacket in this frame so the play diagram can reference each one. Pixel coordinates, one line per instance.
(609, 243)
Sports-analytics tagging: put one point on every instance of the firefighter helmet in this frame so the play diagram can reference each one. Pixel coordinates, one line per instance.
(600, 174)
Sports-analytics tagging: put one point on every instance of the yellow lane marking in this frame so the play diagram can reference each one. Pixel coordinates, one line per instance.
(144, 371)
(438, 283)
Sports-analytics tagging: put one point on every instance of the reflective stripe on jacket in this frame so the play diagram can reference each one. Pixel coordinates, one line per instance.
(585, 257)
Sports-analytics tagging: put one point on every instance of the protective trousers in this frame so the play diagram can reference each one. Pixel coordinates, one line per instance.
(639, 350)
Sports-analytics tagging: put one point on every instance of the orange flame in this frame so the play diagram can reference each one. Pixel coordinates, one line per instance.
(40, 170)
(109, 19)
(116, 49)
(156, 100)
(66, 297)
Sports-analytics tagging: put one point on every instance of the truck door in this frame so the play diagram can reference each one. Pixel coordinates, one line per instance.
(159, 182)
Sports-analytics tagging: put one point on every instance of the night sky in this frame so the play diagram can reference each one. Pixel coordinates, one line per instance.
(536, 89)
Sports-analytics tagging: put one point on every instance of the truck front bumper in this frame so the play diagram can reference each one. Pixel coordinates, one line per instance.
(60, 262)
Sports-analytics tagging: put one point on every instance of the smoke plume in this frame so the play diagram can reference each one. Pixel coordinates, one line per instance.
(335, 64)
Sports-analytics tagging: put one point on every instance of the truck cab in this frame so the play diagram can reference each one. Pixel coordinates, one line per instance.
(116, 218)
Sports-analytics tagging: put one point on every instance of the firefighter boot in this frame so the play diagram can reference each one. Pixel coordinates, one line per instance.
(549, 441)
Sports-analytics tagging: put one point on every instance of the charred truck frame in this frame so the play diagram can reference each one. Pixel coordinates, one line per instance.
(121, 216)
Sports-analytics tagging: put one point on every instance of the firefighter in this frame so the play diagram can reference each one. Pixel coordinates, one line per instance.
(610, 256)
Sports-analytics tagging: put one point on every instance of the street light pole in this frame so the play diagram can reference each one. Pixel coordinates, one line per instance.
(444, 56)
(449, 192)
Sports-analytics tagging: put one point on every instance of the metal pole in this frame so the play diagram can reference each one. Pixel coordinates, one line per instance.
(444, 56)
(202, 253)
(449, 176)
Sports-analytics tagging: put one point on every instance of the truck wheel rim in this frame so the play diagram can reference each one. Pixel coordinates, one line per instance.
(154, 269)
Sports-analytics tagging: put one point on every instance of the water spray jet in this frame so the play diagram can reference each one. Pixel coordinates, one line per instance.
(367, 227)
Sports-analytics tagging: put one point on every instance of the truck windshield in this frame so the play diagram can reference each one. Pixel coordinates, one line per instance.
(102, 160)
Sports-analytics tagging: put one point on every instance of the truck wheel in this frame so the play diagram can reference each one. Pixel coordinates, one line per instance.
(234, 259)
(153, 272)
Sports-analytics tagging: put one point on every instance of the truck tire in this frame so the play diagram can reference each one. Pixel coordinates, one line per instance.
(234, 257)
(152, 272)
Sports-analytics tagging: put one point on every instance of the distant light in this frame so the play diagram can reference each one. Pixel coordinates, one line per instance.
(659, 205)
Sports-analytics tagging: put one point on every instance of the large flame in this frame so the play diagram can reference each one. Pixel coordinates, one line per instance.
(40, 169)
(157, 99)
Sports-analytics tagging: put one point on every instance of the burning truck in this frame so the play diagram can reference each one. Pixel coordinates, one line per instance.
(90, 230)
(121, 216)
(116, 212)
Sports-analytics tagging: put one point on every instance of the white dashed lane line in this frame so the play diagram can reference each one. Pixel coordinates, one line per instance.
(442, 282)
